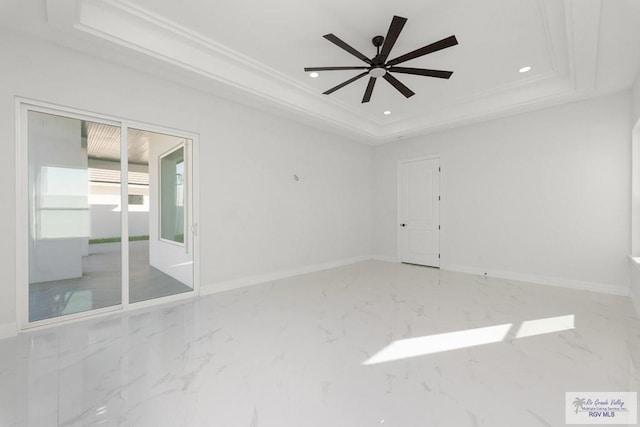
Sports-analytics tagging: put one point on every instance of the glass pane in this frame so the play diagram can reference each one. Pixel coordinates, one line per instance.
(172, 196)
(74, 216)
(159, 262)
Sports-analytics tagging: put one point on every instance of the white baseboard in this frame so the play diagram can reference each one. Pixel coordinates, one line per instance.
(8, 330)
(543, 280)
(635, 301)
(634, 293)
(384, 258)
(270, 277)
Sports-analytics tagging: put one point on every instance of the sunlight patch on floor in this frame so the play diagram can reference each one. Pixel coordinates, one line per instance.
(431, 344)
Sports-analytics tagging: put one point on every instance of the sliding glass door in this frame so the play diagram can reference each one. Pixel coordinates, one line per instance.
(95, 244)
(68, 213)
(160, 248)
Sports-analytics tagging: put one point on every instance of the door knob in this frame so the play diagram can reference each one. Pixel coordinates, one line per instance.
(403, 225)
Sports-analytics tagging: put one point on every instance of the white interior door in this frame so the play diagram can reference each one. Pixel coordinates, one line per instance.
(420, 212)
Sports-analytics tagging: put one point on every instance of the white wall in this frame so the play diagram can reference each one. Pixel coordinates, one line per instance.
(105, 221)
(104, 204)
(543, 196)
(254, 218)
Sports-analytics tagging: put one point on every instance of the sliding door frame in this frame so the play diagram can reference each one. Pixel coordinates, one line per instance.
(22, 107)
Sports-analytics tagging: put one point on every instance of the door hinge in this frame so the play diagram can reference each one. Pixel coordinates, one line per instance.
(439, 170)
(438, 256)
(438, 227)
(438, 197)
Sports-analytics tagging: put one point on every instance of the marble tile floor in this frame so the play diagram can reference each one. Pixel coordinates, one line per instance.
(100, 285)
(314, 350)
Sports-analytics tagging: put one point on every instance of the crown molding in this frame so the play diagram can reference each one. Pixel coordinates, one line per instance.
(572, 78)
(583, 33)
(128, 26)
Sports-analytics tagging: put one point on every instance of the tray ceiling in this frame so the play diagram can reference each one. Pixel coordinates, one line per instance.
(257, 50)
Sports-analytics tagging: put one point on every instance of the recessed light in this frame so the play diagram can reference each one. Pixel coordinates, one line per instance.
(524, 69)
(314, 75)
(386, 113)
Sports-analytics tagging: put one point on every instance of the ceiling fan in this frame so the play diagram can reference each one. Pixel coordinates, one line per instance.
(378, 66)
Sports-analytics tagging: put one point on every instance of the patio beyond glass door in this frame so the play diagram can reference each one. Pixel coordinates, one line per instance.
(160, 250)
(94, 244)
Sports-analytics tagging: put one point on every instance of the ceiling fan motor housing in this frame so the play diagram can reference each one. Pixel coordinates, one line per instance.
(377, 71)
(377, 41)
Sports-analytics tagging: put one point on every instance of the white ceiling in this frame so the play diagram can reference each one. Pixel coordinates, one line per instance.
(577, 48)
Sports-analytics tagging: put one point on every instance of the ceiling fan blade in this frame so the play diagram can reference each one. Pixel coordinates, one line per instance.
(398, 85)
(334, 68)
(433, 47)
(335, 40)
(397, 23)
(369, 91)
(422, 72)
(343, 84)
